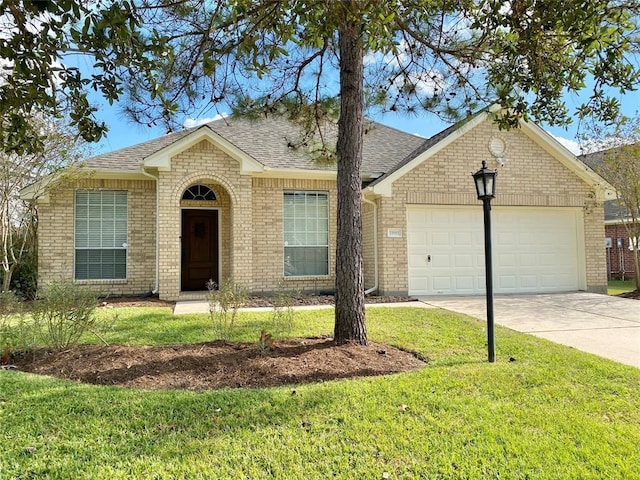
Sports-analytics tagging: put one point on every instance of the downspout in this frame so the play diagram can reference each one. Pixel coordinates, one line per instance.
(156, 287)
(375, 246)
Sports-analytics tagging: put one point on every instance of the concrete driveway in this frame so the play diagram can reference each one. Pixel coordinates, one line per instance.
(599, 324)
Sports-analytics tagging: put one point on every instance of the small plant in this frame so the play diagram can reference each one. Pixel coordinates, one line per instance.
(265, 342)
(283, 302)
(63, 313)
(225, 299)
(17, 333)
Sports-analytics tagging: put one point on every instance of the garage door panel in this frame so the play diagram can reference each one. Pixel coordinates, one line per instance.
(440, 238)
(505, 238)
(525, 239)
(506, 260)
(418, 284)
(440, 261)
(528, 281)
(418, 238)
(508, 282)
(441, 283)
(527, 259)
(465, 283)
(463, 239)
(463, 261)
(439, 217)
(535, 249)
(418, 265)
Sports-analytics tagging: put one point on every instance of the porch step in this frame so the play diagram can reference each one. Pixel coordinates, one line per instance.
(183, 307)
(199, 295)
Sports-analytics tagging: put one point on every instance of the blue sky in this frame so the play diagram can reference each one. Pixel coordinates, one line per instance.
(123, 132)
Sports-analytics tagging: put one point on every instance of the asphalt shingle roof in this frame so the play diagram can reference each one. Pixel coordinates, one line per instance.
(269, 141)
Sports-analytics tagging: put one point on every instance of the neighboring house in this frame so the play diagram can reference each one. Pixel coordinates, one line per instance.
(235, 198)
(618, 245)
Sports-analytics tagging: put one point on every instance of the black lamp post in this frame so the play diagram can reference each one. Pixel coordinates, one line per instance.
(485, 180)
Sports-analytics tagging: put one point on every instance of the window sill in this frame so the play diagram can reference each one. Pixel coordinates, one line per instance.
(307, 277)
(117, 281)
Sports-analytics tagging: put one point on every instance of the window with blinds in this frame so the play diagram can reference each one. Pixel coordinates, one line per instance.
(100, 235)
(306, 233)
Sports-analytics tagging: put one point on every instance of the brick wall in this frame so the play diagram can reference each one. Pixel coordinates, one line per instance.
(268, 246)
(251, 215)
(205, 164)
(251, 221)
(56, 236)
(445, 179)
(368, 245)
(619, 260)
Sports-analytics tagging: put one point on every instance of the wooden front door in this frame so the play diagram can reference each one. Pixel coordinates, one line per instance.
(200, 249)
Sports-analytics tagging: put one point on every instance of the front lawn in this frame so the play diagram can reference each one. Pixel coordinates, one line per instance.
(543, 411)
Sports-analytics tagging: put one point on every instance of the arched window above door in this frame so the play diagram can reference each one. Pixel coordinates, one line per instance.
(199, 192)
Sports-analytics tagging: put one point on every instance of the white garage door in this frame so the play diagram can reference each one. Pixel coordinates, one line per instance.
(534, 250)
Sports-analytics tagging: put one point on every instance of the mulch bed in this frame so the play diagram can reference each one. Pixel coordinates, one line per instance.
(634, 295)
(215, 365)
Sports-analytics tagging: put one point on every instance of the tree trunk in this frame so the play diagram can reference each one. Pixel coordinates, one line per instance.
(636, 264)
(6, 278)
(349, 312)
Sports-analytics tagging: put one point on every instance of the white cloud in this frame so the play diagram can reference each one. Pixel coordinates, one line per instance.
(571, 145)
(196, 122)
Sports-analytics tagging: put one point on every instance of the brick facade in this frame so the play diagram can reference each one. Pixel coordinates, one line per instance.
(56, 236)
(445, 179)
(268, 247)
(620, 263)
(368, 245)
(251, 215)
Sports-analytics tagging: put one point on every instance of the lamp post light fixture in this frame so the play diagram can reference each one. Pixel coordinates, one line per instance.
(485, 180)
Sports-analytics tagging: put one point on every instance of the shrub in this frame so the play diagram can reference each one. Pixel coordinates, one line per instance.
(282, 316)
(63, 313)
(225, 299)
(17, 333)
(24, 279)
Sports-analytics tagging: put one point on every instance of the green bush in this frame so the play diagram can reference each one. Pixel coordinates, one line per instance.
(63, 312)
(283, 314)
(17, 332)
(24, 278)
(224, 301)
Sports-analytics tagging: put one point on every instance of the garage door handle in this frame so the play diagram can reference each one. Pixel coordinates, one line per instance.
(428, 258)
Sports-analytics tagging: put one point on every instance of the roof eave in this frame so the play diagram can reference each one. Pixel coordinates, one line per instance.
(383, 188)
(298, 173)
(603, 189)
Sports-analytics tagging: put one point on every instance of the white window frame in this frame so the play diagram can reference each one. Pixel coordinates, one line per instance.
(124, 246)
(285, 245)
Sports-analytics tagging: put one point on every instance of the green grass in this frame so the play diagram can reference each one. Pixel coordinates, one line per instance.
(616, 287)
(553, 413)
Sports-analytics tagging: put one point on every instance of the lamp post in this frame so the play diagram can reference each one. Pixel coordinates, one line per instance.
(485, 180)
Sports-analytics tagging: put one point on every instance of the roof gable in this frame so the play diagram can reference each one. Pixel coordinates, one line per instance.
(383, 185)
(161, 159)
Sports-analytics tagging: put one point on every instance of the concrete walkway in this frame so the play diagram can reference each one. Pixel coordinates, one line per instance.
(599, 324)
(201, 306)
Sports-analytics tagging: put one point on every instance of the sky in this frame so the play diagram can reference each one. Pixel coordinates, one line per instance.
(123, 132)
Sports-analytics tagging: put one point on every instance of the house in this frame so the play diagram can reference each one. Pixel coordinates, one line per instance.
(618, 244)
(235, 198)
